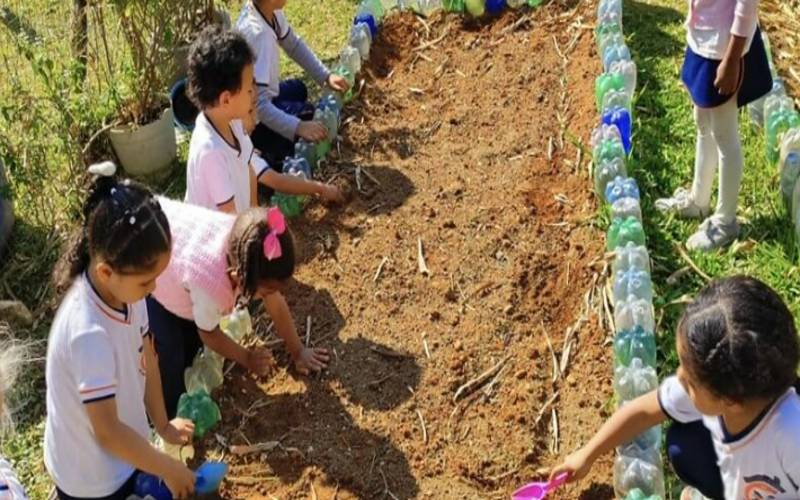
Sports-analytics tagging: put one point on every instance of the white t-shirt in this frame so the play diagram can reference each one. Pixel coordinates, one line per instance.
(264, 37)
(94, 353)
(218, 172)
(206, 312)
(10, 487)
(764, 462)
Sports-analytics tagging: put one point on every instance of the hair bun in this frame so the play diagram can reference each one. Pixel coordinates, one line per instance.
(103, 169)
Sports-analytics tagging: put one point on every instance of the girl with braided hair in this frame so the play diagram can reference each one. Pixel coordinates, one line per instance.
(102, 376)
(735, 412)
(221, 261)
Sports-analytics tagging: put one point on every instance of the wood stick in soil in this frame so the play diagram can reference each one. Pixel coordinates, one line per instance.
(380, 269)
(248, 449)
(423, 267)
(472, 385)
(424, 429)
(691, 263)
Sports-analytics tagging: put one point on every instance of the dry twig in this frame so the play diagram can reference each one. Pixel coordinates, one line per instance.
(471, 385)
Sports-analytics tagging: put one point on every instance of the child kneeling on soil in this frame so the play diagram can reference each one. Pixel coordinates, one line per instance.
(102, 376)
(220, 261)
(11, 356)
(735, 410)
(283, 109)
(223, 168)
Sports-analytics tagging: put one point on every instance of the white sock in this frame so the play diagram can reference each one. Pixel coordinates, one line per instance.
(725, 130)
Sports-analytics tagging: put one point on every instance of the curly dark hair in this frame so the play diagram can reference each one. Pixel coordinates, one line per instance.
(740, 340)
(217, 59)
(123, 224)
(246, 252)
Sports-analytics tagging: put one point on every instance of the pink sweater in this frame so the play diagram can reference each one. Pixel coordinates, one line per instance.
(199, 258)
(712, 22)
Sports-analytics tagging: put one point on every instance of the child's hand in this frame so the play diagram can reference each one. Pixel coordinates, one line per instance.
(259, 361)
(312, 131)
(179, 479)
(329, 192)
(311, 359)
(177, 431)
(576, 465)
(728, 74)
(338, 83)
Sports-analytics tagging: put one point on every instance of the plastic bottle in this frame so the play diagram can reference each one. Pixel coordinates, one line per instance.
(778, 123)
(208, 477)
(626, 207)
(605, 83)
(635, 343)
(306, 150)
(624, 231)
(618, 98)
(756, 108)
(373, 8)
(606, 172)
(350, 58)
(351, 81)
(331, 122)
(495, 7)
(290, 205)
(152, 486)
(515, 4)
(238, 324)
(428, 7)
(633, 282)
(790, 171)
(454, 5)
(200, 409)
(639, 469)
(637, 494)
(361, 39)
(635, 380)
(184, 453)
(608, 39)
(622, 187)
(614, 53)
(534, 3)
(628, 71)
(795, 207)
(632, 313)
(609, 6)
(631, 256)
(205, 373)
(475, 8)
(621, 118)
(605, 29)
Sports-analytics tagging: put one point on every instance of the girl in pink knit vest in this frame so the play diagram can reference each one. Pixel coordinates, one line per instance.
(220, 261)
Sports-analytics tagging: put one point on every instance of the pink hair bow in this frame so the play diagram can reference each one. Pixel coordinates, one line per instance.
(277, 226)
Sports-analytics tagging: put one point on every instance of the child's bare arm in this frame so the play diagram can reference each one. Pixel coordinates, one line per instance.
(290, 184)
(124, 443)
(178, 431)
(624, 425)
(255, 360)
(305, 359)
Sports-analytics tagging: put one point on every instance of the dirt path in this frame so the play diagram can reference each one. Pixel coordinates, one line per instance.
(453, 146)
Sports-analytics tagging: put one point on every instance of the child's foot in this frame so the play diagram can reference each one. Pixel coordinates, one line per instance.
(690, 493)
(682, 204)
(713, 234)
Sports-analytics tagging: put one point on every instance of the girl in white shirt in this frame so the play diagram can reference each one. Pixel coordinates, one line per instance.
(102, 375)
(736, 414)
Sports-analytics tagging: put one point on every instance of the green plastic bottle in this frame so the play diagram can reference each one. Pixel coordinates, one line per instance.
(205, 372)
(534, 3)
(307, 150)
(351, 80)
(635, 343)
(779, 122)
(291, 206)
(454, 5)
(607, 151)
(475, 8)
(624, 231)
(604, 83)
(200, 409)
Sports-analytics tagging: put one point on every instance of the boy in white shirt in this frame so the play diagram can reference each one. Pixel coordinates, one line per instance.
(283, 109)
(735, 410)
(223, 168)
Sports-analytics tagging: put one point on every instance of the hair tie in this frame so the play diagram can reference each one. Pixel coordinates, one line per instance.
(277, 226)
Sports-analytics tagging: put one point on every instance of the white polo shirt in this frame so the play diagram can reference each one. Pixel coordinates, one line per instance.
(763, 461)
(94, 352)
(218, 172)
(10, 487)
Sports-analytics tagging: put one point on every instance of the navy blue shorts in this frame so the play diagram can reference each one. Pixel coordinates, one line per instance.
(698, 74)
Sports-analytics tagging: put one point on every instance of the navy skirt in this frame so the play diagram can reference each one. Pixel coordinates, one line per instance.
(698, 74)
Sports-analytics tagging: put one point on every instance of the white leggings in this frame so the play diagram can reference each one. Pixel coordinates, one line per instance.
(718, 145)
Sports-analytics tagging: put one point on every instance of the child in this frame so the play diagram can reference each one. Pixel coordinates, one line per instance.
(736, 415)
(218, 262)
(283, 110)
(10, 358)
(725, 68)
(222, 170)
(102, 376)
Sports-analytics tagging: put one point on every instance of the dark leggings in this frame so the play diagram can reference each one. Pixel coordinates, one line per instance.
(122, 493)
(292, 99)
(691, 452)
(177, 343)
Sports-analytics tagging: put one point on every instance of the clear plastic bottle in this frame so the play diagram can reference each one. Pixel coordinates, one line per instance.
(205, 373)
(626, 207)
(428, 7)
(622, 187)
(238, 324)
(634, 343)
(614, 53)
(454, 6)
(475, 8)
(621, 118)
(350, 58)
(605, 29)
(623, 232)
(631, 256)
(790, 171)
(637, 494)
(633, 282)
(778, 124)
(608, 6)
(361, 39)
(606, 172)
(638, 469)
(618, 99)
(607, 39)
(515, 4)
(634, 380)
(632, 313)
(605, 83)
(628, 71)
(306, 150)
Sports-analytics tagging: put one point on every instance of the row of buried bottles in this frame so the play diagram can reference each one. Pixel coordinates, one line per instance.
(475, 8)
(777, 115)
(638, 468)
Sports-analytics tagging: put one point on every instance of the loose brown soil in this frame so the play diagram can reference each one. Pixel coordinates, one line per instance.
(452, 143)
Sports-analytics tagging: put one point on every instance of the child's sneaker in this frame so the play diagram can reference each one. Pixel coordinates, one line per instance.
(682, 204)
(690, 493)
(713, 234)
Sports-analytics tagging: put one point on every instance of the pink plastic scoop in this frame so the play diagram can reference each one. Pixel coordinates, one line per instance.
(537, 491)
